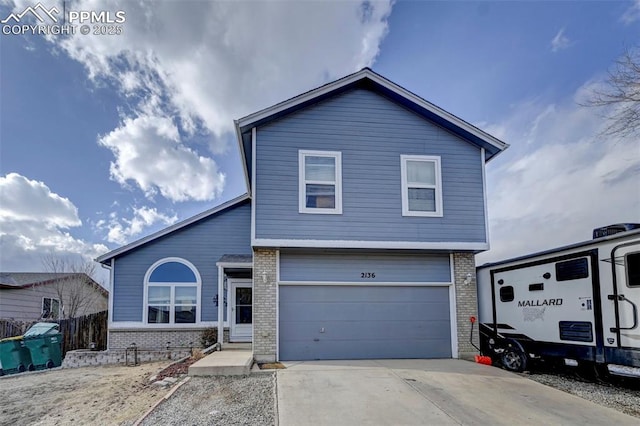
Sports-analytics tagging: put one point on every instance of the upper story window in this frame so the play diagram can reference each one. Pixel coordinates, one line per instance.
(172, 292)
(421, 185)
(320, 186)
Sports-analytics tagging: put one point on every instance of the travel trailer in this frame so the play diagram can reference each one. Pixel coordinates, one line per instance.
(578, 304)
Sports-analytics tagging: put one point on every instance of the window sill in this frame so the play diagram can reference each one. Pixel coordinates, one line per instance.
(422, 214)
(320, 211)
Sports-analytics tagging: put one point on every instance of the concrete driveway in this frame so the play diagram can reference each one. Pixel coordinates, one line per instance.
(425, 392)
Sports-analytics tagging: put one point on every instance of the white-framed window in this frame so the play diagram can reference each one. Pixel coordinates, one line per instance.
(172, 292)
(320, 186)
(421, 185)
(50, 308)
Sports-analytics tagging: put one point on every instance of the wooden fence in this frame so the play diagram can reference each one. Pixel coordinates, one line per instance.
(77, 333)
(10, 328)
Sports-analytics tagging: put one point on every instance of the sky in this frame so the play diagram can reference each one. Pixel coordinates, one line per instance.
(107, 138)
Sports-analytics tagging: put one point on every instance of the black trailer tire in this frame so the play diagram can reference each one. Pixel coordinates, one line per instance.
(513, 359)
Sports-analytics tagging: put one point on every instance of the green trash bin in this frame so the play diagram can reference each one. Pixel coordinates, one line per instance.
(45, 345)
(15, 357)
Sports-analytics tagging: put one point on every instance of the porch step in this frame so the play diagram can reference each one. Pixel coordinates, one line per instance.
(225, 363)
(236, 346)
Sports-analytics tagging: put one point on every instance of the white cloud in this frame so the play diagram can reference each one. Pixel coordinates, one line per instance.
(632, 14)
(121, 230)
(149, 153)
(202, 64)
(34, 221)
(560, 41)
(559, 179)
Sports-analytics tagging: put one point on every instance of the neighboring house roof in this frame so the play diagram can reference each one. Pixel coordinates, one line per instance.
(14, 280)
(105, 258)
(365, 78)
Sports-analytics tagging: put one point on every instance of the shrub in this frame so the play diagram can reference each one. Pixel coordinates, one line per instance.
(208, 337)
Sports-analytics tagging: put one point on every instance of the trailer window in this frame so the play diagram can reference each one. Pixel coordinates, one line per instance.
(573, 269)
(632, 260)
(506, 294)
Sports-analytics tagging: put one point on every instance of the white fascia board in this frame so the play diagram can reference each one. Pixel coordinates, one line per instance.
(274, 109)
(265, 113)
(438, 111)
(243, 157)
(235, 264)
(406, 245)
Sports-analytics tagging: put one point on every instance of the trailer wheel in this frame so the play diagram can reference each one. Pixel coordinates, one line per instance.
(513, 359)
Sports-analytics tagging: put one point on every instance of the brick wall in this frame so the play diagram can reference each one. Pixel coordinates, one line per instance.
(466, 302)
(85, 358)
(264, 305)
(157, 339)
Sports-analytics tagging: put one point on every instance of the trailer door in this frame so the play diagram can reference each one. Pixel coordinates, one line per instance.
(625, 264)
(626, 279)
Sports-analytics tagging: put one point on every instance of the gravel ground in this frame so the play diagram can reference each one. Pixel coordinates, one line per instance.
(242, 400)
(623, 397)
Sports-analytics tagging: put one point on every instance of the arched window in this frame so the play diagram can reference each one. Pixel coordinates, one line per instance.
(172, 292)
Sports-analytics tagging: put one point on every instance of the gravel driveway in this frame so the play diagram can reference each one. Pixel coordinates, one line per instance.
(625, 399)
(237, 400)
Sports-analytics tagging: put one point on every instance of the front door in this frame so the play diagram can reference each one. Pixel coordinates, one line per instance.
(241, 329)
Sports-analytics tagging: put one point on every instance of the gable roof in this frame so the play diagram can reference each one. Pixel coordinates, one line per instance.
(105, 258)
(15, 280)
(365, 78)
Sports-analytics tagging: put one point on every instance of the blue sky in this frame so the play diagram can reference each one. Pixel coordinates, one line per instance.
(105, 139)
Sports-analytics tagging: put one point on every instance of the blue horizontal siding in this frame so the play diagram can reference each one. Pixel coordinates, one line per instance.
(342, 266)
(202, 244)
(371, 132)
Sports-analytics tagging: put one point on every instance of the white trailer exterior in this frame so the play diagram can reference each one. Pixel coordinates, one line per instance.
(578, 302)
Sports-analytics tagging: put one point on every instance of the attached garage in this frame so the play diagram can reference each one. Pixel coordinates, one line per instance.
(364, 322)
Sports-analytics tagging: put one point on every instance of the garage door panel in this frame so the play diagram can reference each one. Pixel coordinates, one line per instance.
(354, 330)
(358, 322)
(367, 349)
(346, 311)
(335, 293)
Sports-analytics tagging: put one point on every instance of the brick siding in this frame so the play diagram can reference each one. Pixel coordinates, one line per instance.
(157, 339)
(264, 305)
(466, 302)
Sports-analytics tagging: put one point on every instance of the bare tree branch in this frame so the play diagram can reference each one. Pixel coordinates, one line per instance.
(620, 98)
(75, 288)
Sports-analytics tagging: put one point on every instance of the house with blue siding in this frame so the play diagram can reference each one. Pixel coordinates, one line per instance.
(356, 238)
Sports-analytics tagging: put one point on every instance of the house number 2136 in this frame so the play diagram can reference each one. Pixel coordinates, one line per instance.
(367, 274)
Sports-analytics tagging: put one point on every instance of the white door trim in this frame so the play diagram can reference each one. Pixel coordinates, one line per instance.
(237, 332)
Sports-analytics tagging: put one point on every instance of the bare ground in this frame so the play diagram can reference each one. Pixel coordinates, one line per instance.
(107, 395)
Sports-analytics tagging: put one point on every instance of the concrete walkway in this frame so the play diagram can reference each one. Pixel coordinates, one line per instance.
(426, 392)
(224, 363)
